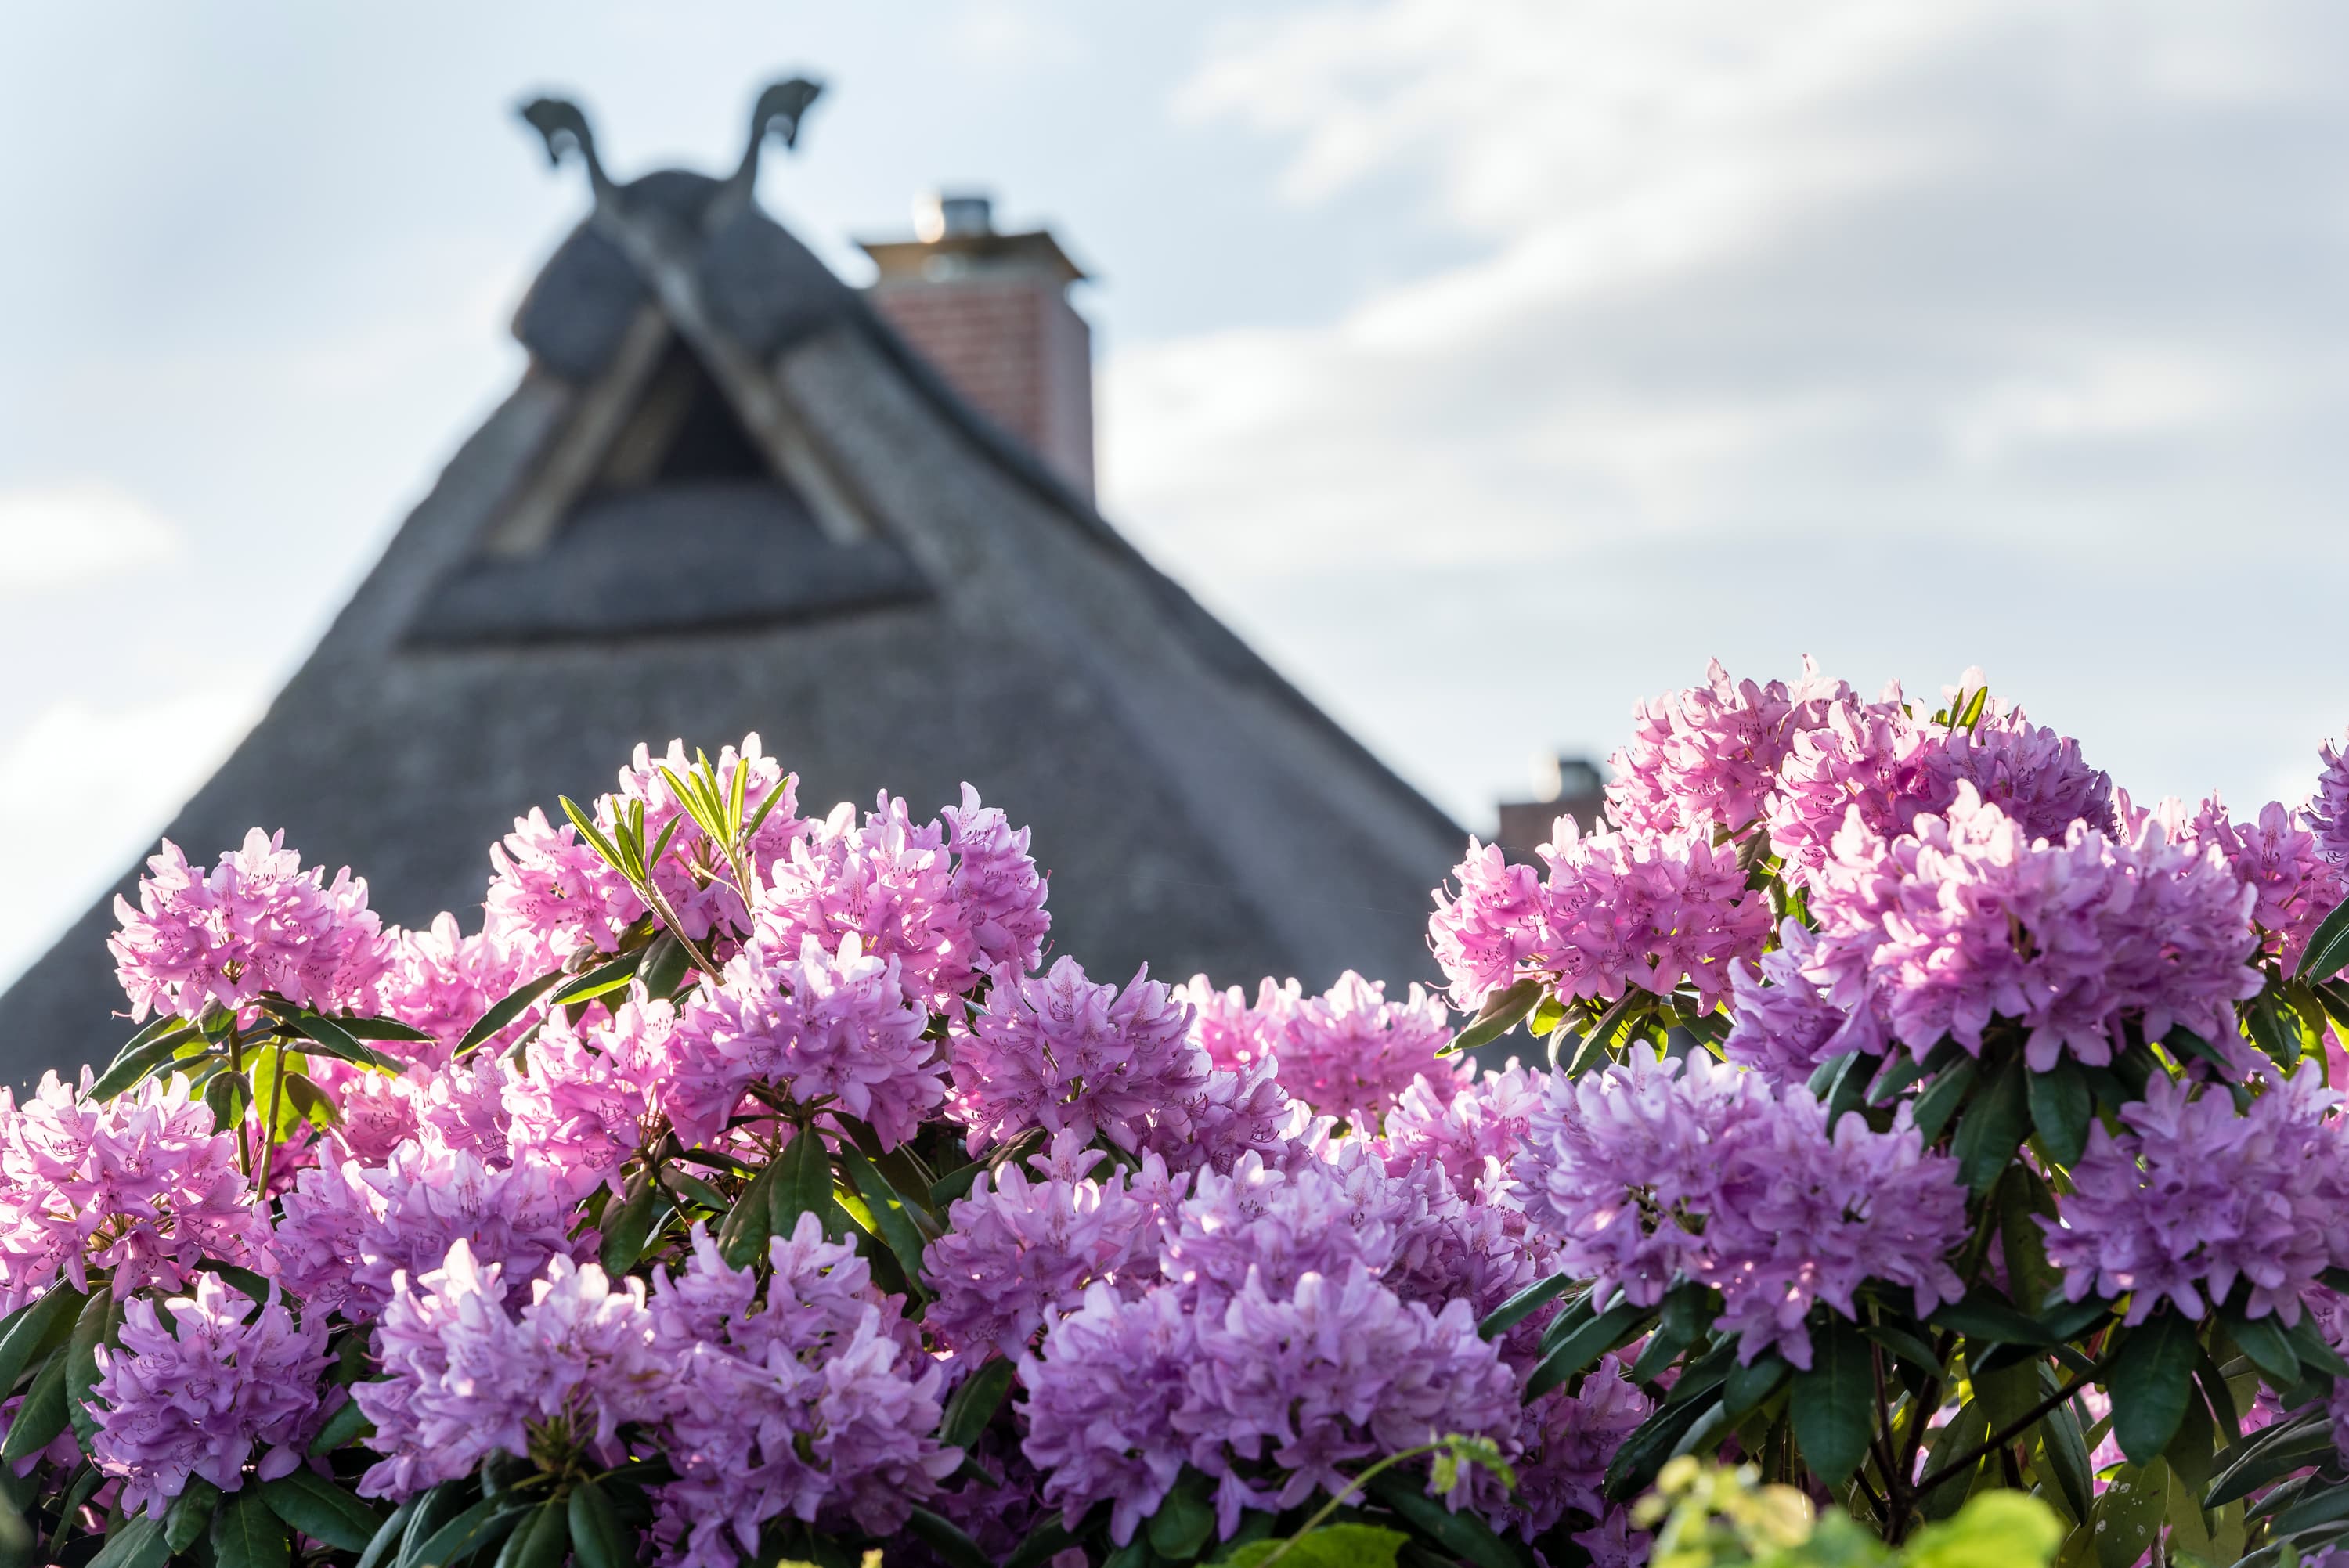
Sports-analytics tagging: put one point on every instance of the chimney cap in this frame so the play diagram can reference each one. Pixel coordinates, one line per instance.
(953, 214)
(955, 234)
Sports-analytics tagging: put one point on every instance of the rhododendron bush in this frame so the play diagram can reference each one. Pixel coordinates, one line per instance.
(1916, 1115)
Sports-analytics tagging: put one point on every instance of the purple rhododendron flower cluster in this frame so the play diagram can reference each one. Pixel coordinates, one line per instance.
(2196, 1196)
(1663, 1169)
(755, 1168)
(192, 1395)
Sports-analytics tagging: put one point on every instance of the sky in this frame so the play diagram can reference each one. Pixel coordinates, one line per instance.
(1489, 368)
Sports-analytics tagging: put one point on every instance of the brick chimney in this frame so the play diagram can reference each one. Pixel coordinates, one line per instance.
(1563, 785)
(991, 312)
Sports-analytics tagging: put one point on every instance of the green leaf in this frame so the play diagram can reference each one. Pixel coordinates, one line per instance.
(382, 1028)
(485, 1522)
(1987, 1316)
(2267, 1345)
(1582, 1348)
(1747, 1386)
(802, 1185)
(516, 1004)
(1939, 1101)
(1966, 1431)
(625, 1237)
(246, 1533)
(602, 980)
(945, 1538)
(1463, 1535)
(2066, 1448)
(2129, 1513)
(2150, 1381)
(1994, 1530)
(2315, 1351)
(347, 1425)
(1500, 1015)
(593, 836)
(2271, 1035)
(1331, 1546)
(340, 1043)
(132, 1065)
(893, 1221)
(743, 1235)
(190, 1513)
(1663, 1434)
(2328, 946)
(1522, 1305)
(541, 1541)
(136, 1542)
(2062, 1106)
(311, 1103)
(2024, 1199)
(597, 1538)
(318, 1507)
(1182, 1526)
(43, 1414)
(386, 1545)
(37, 1330)
(974, 1404)
(1994, 1127)
(665, 967)
(228, 1096)
(1833, 1404)
(100, 1318)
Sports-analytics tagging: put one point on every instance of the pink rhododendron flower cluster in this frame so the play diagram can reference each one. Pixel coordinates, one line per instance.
(256, 923)
(1348, 1053)
(1660, 1169)
(1936, 931)
(1650, 909)
(1708, 756)
(2328, 808)
(144, 1187)
(2195, 1196)
(192, 1395)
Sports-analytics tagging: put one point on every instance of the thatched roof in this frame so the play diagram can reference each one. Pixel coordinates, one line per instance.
(725, 498)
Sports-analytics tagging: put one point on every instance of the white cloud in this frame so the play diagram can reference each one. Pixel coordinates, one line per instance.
(54, 536)
(132, 766)
(1914, 337)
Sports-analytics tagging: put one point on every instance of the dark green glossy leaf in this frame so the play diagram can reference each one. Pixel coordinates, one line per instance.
(892, 1218)
(319, 1507)
(347, 1425)
(1522, 1305)
(1987, 1316)
(1834, 1403)
(975, 1402)
(2266, 1455)
(1500, 1015)
(1183, 1524)
(802, 1185)
(666, 966)
(2150, 1381)
(2327, 953)
(541, 1541)
(596, 1536)
(2315, 1351)
(100, 1318)
(2066, 1450)
(1994, 1127)
(228, 1095)
(311, 1103)
(1940, 1099)
(1633, 1468)
(382, 1028)
(37, 1330)
(2062, 1106)
(516, 1002)
(246, 1533)
(132, 1065)
(190, 1513)
(1581, 1349)
(2128, 1515)
(340, 1043)
(1464, 1534)
(42, 1416)
(625, 1237)
(945, 1537)
(248, 1283)
(1747, 1386)
(385, 1547)
(2269, 1348)
(743, 1235)
(137, 1542)
(482, 1525)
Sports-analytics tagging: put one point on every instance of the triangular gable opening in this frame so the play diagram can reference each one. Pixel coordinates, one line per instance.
(659, 512)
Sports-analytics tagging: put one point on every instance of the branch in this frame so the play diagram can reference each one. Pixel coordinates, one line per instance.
(2006, 1434)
